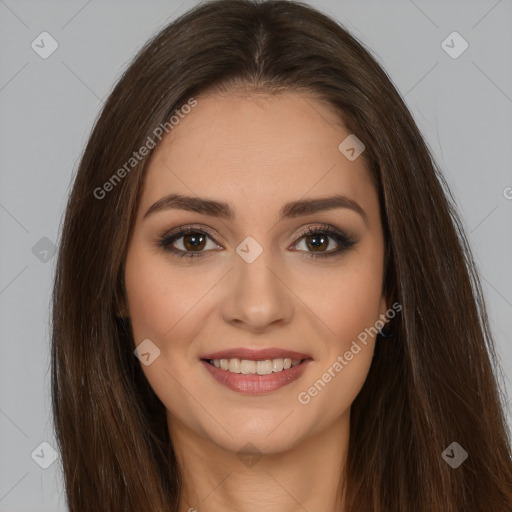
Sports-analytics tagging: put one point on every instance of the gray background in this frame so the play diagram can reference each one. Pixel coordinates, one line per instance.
(463, 106)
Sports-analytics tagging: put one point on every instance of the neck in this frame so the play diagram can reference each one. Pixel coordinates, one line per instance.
(305, 477)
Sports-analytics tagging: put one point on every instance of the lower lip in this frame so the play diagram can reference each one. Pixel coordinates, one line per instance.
(256, 384)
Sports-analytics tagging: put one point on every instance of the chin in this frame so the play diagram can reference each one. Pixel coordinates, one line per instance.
(271, 435)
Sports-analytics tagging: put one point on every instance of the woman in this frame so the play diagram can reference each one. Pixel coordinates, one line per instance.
(264, 299)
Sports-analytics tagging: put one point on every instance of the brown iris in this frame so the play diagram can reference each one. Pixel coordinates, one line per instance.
(194, 241)
(321, 240)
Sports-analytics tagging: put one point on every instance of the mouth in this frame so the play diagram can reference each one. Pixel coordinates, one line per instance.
(258, 367)
(256, 371)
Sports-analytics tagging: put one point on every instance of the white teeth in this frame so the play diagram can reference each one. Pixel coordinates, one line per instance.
(234, 365)
(277, 365)
(264, 367)
(249, 367)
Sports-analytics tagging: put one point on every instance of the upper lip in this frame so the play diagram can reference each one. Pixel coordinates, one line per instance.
(256, 354)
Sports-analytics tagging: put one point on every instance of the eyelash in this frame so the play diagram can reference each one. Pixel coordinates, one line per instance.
(344, 241)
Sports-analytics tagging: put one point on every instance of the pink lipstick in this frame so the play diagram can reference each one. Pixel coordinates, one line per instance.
(255, 371)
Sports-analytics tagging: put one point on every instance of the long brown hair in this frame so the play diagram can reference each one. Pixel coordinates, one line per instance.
(434, 383)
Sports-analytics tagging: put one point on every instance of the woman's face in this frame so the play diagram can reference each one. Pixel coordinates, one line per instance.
(252, 286)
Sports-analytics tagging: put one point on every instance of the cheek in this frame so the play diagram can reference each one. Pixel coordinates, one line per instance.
(348, 302)
(161, 308)
(152, 308)
(349, 307)
(158, 297)
(347, 299)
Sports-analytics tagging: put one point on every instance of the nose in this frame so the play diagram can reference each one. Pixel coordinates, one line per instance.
(258, 297)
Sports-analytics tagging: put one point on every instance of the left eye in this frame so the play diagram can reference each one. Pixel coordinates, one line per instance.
(317, 241)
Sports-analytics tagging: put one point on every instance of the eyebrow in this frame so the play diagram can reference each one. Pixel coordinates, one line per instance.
(223, 210)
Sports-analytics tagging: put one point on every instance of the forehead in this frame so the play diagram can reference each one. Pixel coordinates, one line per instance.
(255, 150)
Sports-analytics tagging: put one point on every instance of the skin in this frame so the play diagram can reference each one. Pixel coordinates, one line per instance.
(256, 152)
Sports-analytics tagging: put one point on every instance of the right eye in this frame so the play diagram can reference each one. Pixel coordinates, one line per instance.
(193, 243)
